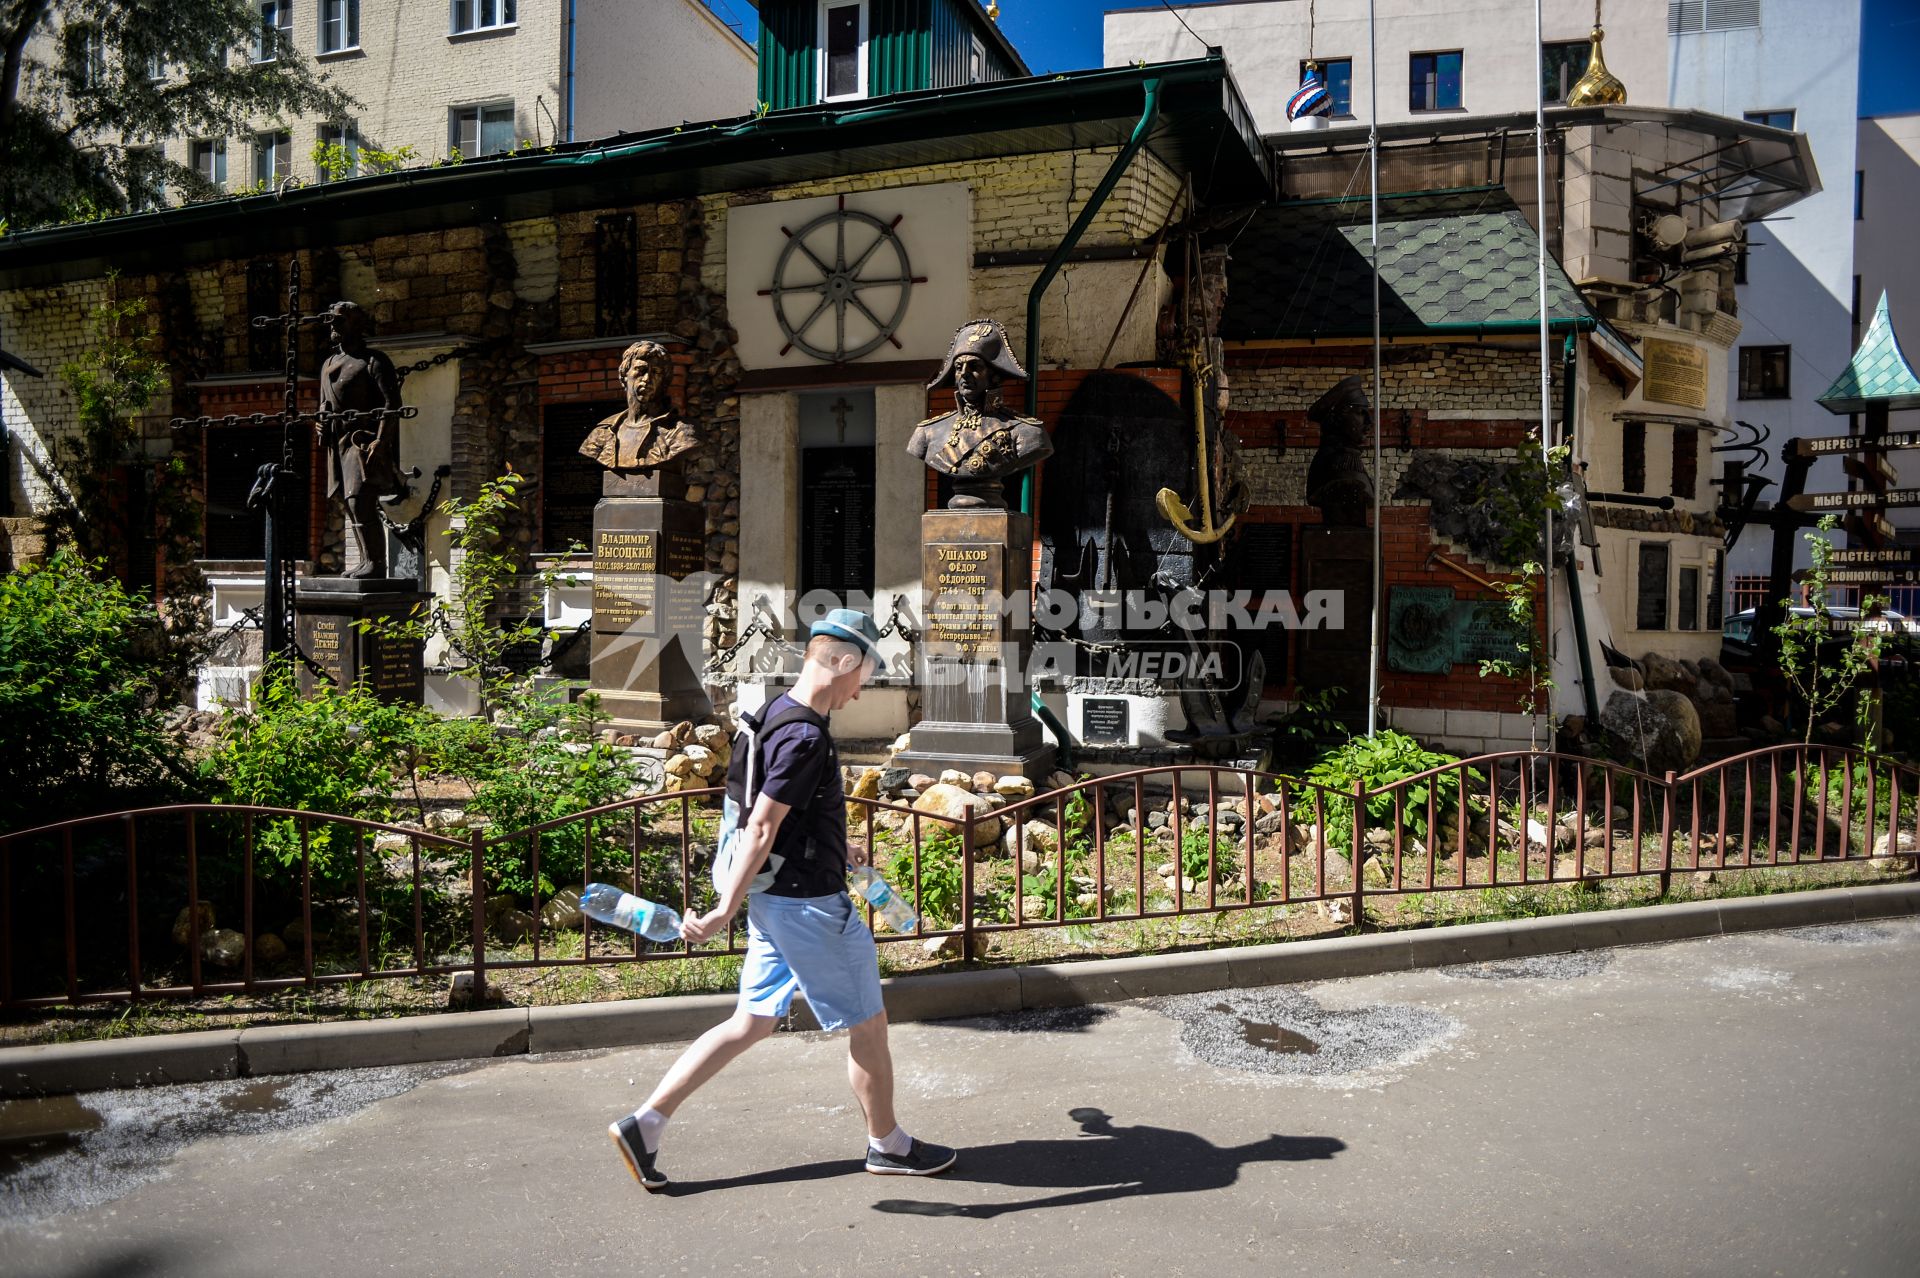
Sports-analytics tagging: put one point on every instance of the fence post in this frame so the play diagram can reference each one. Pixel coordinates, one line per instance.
(1359, 849)
(966, 886)
(477, 872)
(1666, 835)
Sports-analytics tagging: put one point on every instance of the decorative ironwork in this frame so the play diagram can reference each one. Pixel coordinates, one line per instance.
(839, 284)
(616, 275)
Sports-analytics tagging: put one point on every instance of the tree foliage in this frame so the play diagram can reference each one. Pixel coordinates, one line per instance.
(85, 85)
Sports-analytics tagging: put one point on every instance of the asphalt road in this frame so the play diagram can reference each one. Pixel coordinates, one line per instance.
(1741, 1105)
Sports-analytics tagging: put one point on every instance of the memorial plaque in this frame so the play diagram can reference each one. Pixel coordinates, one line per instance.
(329, 640)
(1676, 373)
(331, 616)
(1430, 632)
(962, 619)
(1266, 557)
(1103, 721)
(836, 524)
(649, 611)
(1339, 559)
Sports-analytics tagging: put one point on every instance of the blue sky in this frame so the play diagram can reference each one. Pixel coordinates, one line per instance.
(1064, 35)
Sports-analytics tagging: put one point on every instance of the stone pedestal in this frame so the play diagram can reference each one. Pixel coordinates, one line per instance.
(975, 706)
(327, 615)
(1340, 559)
(649, 612)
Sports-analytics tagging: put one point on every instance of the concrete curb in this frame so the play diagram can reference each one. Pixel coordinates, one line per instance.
(284, 1049)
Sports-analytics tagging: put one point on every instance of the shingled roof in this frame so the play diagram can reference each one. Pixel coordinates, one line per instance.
(1878, 373)
(1450, 262)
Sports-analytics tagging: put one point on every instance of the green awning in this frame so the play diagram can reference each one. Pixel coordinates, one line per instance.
(1451, 262)
(1878, 373)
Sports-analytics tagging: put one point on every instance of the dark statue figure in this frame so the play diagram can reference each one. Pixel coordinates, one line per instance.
(1337, 478)
(646, 437)
(979, 443)
(364, 467)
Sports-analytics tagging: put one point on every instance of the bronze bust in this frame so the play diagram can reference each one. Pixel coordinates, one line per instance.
(979, 443)
(1337, 479)
(363, 453)
(645, 437)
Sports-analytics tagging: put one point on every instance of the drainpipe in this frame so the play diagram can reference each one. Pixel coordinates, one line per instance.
(572, 28)
(1568, 365)
(1149, 112)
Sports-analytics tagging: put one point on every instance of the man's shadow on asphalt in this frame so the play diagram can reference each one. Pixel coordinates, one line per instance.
(1118, 1162)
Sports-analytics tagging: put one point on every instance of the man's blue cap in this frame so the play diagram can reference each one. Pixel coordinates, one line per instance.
(857, 628)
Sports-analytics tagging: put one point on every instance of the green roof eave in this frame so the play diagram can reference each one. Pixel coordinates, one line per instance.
(1878, 373)
(1204, 129)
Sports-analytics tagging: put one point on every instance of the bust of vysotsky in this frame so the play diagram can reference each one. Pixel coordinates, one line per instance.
(645, 435)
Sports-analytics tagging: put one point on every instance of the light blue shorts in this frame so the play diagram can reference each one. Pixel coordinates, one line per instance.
(818, 945)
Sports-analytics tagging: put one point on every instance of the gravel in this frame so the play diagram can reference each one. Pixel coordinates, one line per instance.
(1284, 1032)
(1542, 967)
(1038, 1020)
(1844, 934)
(68, 1154)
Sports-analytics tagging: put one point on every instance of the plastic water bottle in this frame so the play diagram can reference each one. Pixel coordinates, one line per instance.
(880, 894)
(604, 903)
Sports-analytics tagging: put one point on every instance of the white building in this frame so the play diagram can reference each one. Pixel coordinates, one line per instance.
(1796, 65)
(1438, 58)
(473, 77)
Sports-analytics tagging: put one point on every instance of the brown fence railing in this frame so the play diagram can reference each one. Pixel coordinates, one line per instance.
(97, 908)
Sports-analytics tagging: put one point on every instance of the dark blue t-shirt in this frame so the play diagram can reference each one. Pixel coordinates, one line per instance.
(802, 770)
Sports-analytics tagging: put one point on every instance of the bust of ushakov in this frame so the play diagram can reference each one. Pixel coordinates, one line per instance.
(979, 443)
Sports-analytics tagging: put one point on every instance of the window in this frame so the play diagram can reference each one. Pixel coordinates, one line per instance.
(1764, 372)
(1859, 192)
(1339, 74)
(1650, 611)
(1562, 63)
(1633, 457)
(1772, 119)
(976, 61)
(156, 68)
(1854, 313)
(843, 48)
(481, 15)
(340, 152)
(482, 130)
(339, 25)
(1686, 462)
(86, 56)
(1687, 610)
(1435, 82)
(272, 157)
(276, 30)
(146, 180)
(208, 157)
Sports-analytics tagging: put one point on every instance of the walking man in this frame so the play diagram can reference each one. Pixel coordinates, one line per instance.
(803, 932)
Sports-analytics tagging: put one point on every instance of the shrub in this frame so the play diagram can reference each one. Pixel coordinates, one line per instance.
(1376, 762)
(82, 721)
(941, 868)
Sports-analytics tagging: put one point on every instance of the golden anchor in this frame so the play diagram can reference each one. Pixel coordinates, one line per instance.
(1171, 507)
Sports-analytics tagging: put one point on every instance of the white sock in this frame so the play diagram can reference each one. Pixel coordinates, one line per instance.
(652, 1123)
(895, 1142)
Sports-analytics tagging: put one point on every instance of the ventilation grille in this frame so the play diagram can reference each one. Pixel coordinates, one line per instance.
(1687, 17)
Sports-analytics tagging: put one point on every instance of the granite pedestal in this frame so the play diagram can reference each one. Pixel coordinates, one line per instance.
(328, 612)
(649, 609)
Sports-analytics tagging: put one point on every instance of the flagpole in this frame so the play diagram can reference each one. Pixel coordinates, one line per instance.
(1379, 474)
(1546, 370)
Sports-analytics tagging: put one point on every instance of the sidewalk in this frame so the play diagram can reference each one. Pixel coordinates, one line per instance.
(285, 1049)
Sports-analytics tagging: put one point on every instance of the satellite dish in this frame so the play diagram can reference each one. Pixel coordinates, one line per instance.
(1669, 230)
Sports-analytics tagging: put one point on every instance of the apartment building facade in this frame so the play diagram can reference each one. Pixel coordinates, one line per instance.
(440, 80)
(1886, 192)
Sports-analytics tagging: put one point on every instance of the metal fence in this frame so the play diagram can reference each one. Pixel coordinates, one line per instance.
(97, 909)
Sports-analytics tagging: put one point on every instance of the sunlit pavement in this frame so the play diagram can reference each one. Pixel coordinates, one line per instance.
(1729, 1106)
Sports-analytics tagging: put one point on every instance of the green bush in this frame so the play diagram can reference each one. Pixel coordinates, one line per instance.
(82, 719)
(941, 871)
(1376, 762)
(1193, 856)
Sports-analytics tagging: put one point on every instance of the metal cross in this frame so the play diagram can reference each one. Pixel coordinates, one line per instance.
(840, 408)
(271, 485)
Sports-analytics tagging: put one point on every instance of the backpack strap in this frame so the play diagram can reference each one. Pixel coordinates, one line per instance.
(761, 731)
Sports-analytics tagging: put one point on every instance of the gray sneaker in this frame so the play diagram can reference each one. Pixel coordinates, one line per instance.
(921, 1159)
(633, 1150)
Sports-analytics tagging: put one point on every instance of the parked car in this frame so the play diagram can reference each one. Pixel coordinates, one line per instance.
(1737, 640)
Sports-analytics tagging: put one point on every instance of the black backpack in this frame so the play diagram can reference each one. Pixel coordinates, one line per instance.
(744, 772)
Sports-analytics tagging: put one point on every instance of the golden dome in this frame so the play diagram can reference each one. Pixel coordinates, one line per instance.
(1599, 86)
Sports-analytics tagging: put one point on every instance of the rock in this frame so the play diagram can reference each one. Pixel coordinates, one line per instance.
(941, 946)
(460, 991)
(714, 738)
(1379, 840)
(894, 780)
(703, 760)
(678, 766)
(1033, 907)
(1627, 678)
(664, 741)
(984, 781)
(513, 925)
(994, 801)
(1231, 820)
(951, 803)
(1013, 787)
(1662, 729)
(186, 927)
(1621, 817)
(562, 913)
(446, 819)
(1899, 846)
(1595, 838)
(268, 948)
(902, 742)
(1669, 675)
(1037, 836)
(954, 776)
(295, 936)
(223, 947)
(1338, 910)
(1375, 871)
(390, 841)
(1713, 672)
(865, 786)
(1188, 885)
(1157, 819)
(1059, 780)
(1166, 869)
(921, 781)
(683, 732)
